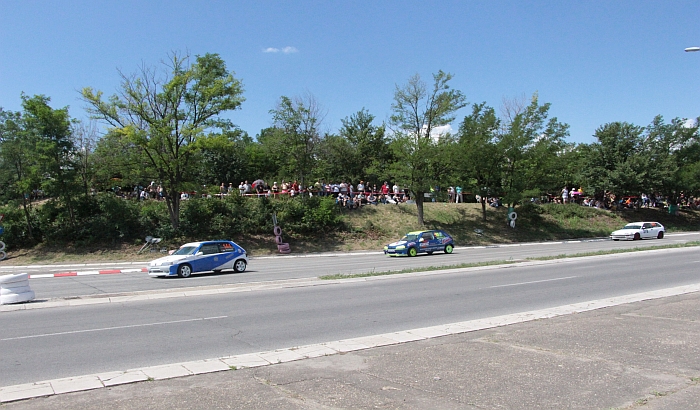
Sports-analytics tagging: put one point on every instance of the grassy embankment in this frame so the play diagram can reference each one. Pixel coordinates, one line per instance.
(373, 226)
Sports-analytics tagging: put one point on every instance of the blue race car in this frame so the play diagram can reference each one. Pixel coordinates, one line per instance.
(194, 257)
(417, 242)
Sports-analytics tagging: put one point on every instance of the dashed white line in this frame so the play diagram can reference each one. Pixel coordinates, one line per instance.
(112, 328)
(531, 282)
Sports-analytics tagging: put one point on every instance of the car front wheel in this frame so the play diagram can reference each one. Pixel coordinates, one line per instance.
(412, 252)
(637, 237)
(448, 248)
(184, 271)
(239, 265)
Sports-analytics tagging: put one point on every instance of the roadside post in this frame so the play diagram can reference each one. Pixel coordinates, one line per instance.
(512, 216)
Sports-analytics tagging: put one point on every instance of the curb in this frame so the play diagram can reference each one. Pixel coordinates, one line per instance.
(86, 273)
(271, 357)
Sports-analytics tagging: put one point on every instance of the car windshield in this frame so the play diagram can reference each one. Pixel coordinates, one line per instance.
(410, 237)
(632, 226)
(185, 250)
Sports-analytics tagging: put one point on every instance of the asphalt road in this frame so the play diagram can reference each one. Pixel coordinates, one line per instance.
(60, 342)
(263, 269)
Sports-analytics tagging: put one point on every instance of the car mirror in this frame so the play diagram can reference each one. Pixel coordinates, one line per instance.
(199, 253)
(422, 240)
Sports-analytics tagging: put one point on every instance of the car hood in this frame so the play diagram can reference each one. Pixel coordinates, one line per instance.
(169, 258)
(397, 243)
(625, 232)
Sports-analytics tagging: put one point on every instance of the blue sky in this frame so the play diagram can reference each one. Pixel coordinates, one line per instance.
(594, 61)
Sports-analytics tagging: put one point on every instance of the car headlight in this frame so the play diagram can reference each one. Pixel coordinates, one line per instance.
(398, 248)
(166, 263)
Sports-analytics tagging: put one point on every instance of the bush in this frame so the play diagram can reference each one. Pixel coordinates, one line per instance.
(17, 231)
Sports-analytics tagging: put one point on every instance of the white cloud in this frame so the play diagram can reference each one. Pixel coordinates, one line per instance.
(437, 132)
(285, 50)
(690, 123)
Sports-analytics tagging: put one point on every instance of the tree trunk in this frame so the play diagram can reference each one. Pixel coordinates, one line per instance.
(483, 208)
(419, 207)
(172, 199)
(27, 217)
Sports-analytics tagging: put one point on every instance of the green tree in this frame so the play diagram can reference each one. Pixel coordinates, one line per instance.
(617, 160)
(164, 114)
(19, 172)
(669, 150)
(370, 148)
(54, 153)
(478, 157)
(530, 146)
(296, 135)
(417, 111)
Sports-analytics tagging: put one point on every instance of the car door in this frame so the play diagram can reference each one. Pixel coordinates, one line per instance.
(647, 231)
(227, 252)
(208, 260)
(436, 242)
(425, 243)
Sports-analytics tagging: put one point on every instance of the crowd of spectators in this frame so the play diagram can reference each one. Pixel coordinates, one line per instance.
(352, 196)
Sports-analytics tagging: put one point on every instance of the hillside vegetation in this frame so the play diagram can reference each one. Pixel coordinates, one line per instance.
(371, 227)
(374, 226)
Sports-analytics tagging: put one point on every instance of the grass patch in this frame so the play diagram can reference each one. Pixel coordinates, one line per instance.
(411, 270)
(506, 262)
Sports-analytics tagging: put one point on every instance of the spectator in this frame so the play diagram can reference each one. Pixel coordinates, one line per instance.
(385, 189)
(565, 195)
(230, 188)
(371, 199)
(275, 188)
(361, 186)
(247, 188)
(241, 188)
(458, 194)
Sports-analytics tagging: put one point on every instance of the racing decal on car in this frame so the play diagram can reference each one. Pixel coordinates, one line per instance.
(446, 240)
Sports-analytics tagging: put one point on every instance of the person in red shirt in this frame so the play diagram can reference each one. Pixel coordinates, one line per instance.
(385, 188)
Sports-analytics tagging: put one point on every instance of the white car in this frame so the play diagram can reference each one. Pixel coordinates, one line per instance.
(194, 257)
(639, 230)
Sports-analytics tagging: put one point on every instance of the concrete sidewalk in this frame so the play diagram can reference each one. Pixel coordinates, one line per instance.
(638, 355)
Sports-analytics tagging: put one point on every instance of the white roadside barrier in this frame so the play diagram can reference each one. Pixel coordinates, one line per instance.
(15, 289)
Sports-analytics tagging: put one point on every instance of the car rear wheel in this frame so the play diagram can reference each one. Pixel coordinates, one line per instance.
(660, 235)
(448, 248)
(239, 265)
(184, 271)
(637, 237)
(412, 252)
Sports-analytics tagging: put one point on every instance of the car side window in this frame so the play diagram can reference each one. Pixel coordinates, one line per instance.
(428, 236)
(210, 249)
(225, 247)
(646, 226)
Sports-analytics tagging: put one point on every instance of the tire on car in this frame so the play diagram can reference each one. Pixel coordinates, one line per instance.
(239, 265)
(412, 252)
(660, 235)
(184, 271)
(637, 236)
(449, 248)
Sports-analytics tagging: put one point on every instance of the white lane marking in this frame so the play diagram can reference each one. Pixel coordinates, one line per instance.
(112, 328)
(531, 282)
